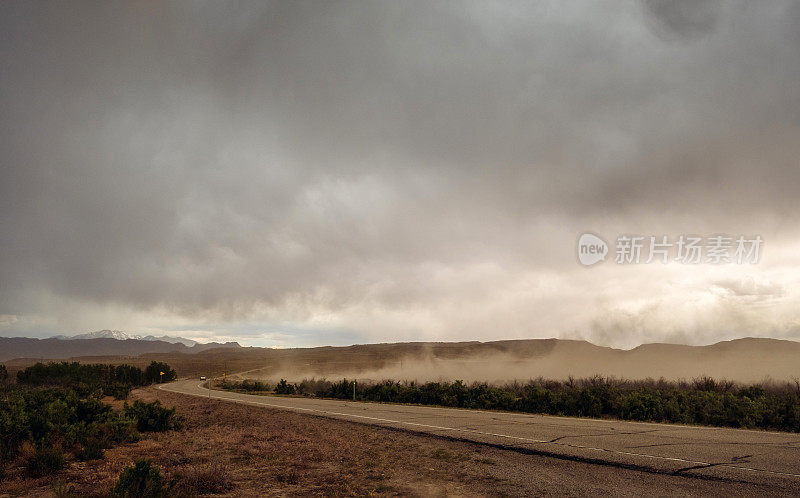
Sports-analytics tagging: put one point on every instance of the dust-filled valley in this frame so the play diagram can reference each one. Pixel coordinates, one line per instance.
(744, 360)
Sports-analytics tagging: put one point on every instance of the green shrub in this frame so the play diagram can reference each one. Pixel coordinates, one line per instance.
(284, 387)
(152, 417)
(34, 419)
(94, 379)
(245, 385)
(117, 428)
(118, 390)
(92, 449)
(703, 401)
(141, 480)
(45, 461)
(253, 385)
(159, 371)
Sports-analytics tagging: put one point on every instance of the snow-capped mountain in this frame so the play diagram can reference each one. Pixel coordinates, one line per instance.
(102, 334)
(122, 336)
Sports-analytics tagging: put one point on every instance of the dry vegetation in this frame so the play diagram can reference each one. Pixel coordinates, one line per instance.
(238, 450)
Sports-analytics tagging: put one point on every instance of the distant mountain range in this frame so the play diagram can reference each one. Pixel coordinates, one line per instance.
(100, 343)
(122, 336)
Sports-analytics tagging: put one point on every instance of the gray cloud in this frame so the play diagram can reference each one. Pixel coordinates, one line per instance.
(684, 18)
(350, 164)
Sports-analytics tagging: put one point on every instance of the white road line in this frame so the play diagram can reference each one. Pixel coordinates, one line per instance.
(218, 395)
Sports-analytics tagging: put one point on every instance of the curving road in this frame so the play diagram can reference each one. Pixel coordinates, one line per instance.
(769, 458)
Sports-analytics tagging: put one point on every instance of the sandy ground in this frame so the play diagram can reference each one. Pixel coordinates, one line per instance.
(264, 451)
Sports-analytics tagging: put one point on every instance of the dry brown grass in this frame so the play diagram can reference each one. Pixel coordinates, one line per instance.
(205, 479)
(244, 451)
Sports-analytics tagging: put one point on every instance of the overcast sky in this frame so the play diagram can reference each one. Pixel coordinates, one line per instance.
(306, 173)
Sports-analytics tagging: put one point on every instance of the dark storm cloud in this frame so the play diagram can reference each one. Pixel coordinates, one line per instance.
(309, 158)
(685, 18)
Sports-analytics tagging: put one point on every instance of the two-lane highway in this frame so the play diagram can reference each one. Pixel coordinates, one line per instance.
(742, 455)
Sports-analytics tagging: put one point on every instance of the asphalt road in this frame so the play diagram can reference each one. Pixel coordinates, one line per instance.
(760, 457)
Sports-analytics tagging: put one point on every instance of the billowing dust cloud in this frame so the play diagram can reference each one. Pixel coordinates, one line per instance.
(747, 360)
